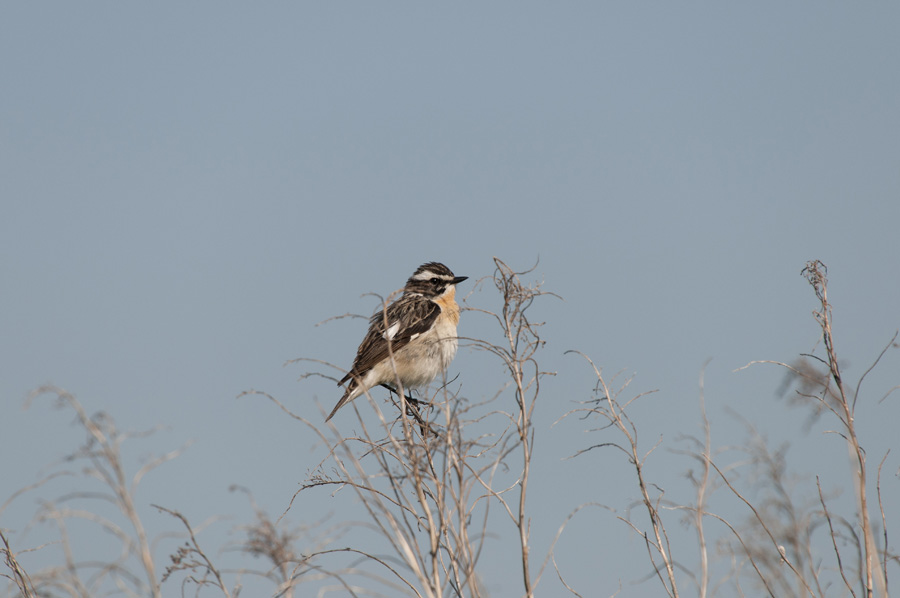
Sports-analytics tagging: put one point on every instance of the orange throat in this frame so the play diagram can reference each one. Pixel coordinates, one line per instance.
(448, 304)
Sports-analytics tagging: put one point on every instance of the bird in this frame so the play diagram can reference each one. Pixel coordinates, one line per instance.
(410, 341)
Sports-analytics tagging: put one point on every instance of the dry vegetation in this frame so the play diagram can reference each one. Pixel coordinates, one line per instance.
(434, 483)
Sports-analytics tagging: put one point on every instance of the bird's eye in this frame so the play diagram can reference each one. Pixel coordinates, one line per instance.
(435, 280)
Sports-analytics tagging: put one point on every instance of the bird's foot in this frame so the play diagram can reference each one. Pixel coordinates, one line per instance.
(414, 408)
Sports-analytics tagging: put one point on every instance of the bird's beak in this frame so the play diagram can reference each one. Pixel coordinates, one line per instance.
(459, 279)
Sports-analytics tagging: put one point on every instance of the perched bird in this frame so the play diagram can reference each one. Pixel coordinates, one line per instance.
(412, 340)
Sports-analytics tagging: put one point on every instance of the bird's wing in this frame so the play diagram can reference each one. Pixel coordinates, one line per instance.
(405, 320)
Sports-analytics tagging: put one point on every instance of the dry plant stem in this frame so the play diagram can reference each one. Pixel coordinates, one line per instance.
(431, 515)
(837, 552)
(563, 581)
(749, 554)
(19, 576)
(522, 342)
(765, 528)
(207, 563)
(523, 424)
(620, 420)
(407, 462)
(616, 415)
(78, 587)
(106, 459)
(265, 539)
(815, 272)
(884, 560)
(702, 488)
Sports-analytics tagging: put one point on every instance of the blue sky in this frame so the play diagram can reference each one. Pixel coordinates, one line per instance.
(188, 190)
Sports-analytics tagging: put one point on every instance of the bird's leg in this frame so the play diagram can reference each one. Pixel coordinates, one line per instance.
(408, 397)
(412, 408)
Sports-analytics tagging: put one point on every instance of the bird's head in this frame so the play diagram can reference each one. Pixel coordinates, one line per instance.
(432, 280)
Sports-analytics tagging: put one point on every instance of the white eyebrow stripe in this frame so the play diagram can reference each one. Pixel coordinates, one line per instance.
(428, 275)
(391, 331)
